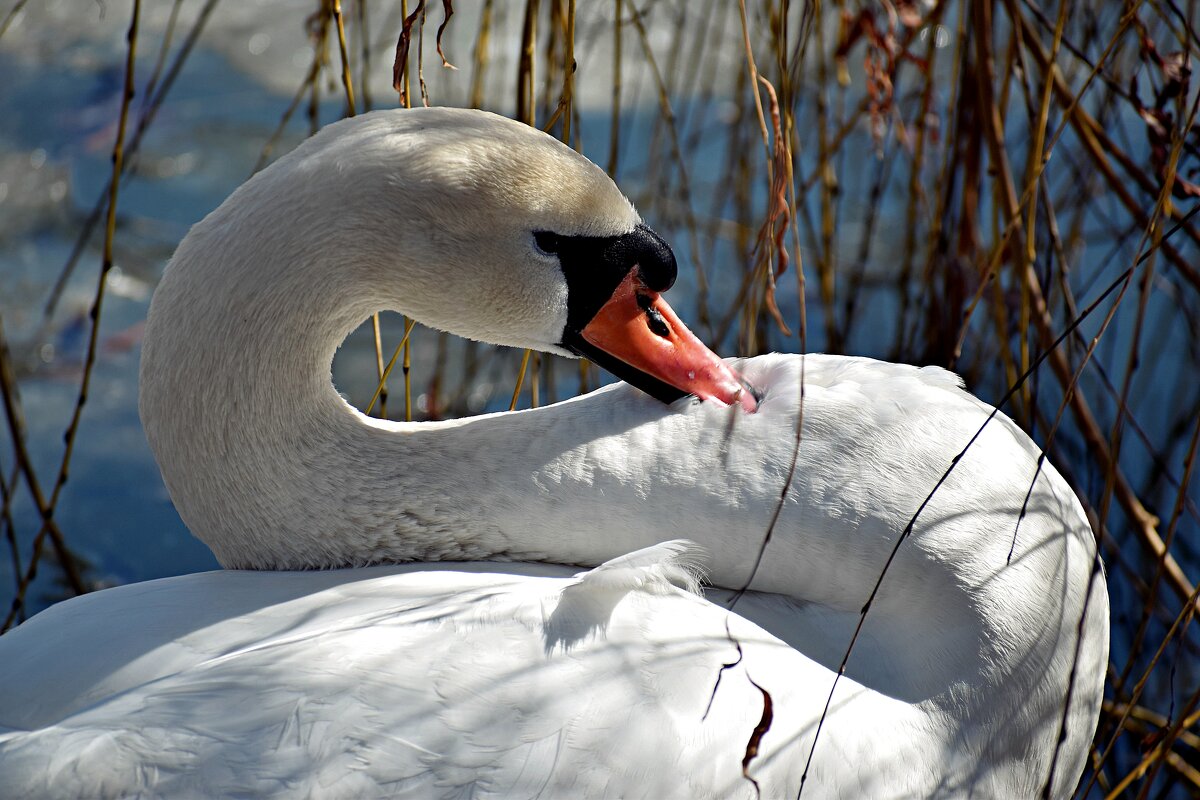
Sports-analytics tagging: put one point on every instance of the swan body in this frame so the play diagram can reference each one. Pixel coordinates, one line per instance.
(549, 639)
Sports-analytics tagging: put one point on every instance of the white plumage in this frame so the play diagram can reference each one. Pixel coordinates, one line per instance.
(492, 678)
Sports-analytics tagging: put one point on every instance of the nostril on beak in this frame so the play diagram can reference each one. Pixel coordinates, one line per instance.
(654, 318)
(657, 324)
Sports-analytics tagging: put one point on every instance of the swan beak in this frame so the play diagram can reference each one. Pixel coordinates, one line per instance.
(638, 328)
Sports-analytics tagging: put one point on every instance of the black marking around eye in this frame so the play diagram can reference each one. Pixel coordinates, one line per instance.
(594, 267)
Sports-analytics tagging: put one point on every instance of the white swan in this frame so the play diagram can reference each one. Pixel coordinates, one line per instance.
(508, 676)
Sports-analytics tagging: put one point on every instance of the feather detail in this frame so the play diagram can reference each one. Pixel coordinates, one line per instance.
(654, 569)
(585, 606)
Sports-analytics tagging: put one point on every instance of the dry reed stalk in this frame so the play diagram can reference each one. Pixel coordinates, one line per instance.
(11, 15)
(46, 506)
(480, 60)
(614, 131)
(364, 58)
(16, 427)
(335, 10)
(381, 388)
(685, 193)
(314, 72)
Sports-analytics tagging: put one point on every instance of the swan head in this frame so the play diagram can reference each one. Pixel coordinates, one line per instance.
(490, 229)
(462, 220)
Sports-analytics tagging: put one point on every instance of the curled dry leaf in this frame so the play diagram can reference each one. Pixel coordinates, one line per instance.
(760, 730)
(404, 42)
(779, 214)
(447, 12)
(882, 57)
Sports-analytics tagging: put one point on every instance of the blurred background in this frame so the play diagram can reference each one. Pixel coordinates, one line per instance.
(1005, 188)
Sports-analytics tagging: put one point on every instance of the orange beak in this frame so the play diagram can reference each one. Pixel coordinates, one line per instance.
(637, 327)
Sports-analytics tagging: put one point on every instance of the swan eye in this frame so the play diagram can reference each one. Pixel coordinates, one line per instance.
(546, 242)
